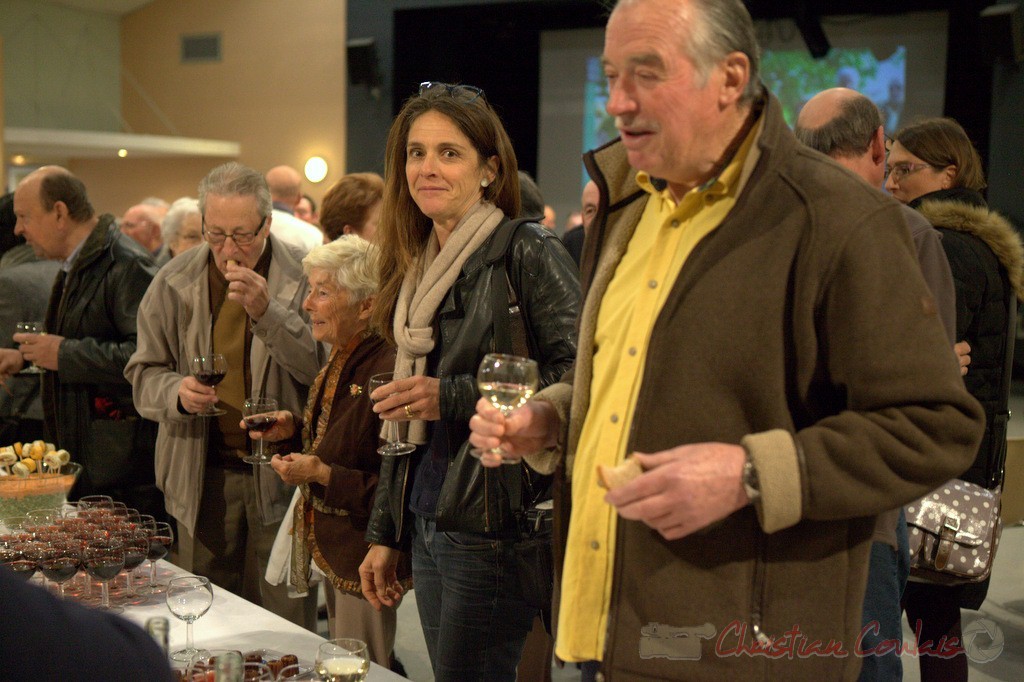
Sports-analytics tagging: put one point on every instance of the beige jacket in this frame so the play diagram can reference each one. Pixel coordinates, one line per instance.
(173, 325)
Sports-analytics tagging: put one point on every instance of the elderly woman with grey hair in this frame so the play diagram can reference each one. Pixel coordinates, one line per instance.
(182, 227)
(337, 465)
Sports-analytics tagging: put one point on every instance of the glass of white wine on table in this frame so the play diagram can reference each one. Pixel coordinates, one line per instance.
(343, 660)
(508, 382)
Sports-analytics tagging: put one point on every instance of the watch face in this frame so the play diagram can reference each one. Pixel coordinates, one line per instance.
(751, 485)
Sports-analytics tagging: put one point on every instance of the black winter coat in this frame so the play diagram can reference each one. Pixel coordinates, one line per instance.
(87, 403)
(986, 258)
(474, 498)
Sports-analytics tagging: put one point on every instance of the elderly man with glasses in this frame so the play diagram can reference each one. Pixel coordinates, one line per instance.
(239, 294)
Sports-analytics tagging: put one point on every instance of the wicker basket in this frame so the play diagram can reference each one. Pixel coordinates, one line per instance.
(18, 495)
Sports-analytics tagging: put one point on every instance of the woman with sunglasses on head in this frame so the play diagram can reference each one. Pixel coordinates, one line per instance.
(450, 182)
(934, 168)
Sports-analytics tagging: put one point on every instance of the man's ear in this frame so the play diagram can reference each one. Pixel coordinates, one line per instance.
(736, 70)
(878, 146)
(61, 209)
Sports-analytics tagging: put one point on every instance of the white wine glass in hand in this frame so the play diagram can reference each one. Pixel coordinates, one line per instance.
(31, 328)
(507, 381)
(343, 660)
(188, 598)
(395, 446)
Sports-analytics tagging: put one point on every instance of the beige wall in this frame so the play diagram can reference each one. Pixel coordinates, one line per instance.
(62, 67)
(3, 153)
(279, 91)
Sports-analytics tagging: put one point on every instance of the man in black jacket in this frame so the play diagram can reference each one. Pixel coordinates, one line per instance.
(90, 325)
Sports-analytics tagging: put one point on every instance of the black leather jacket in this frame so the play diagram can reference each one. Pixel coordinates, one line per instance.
(87, 403)
(475, 499)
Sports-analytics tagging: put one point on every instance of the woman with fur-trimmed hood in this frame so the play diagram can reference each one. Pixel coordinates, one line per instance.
(934, 168)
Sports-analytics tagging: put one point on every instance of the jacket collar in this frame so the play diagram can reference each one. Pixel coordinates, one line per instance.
(964, 210)
(99, 240)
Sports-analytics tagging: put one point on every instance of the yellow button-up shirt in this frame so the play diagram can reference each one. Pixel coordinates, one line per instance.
(665, 236)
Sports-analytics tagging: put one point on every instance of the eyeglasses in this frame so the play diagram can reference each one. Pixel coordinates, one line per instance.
(239, 238)
(460, 93)
(902, 170)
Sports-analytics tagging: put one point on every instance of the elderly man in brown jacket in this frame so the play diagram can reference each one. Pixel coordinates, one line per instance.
(788, 377)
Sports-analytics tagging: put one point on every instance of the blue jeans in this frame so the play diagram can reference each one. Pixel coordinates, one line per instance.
(883, 615)
(473, 620)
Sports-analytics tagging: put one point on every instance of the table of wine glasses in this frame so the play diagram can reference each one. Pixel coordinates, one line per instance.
(235, 623)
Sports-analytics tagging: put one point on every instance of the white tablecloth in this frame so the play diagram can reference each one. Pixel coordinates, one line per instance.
(234, 623)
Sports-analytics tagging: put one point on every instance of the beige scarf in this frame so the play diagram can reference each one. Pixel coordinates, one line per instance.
(424, 288)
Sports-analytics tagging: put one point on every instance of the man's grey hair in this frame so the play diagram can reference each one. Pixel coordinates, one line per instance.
(849, 133)
(352, 263)
(234, 179)
(722, 26)
(156, 202)
(182, 208)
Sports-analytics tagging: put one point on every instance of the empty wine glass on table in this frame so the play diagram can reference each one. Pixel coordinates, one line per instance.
(258, 414)
(507, 381)
(188, 598)
(103, 559)
(31, 328)
(209, 370)
(394, 446)
(343, 660)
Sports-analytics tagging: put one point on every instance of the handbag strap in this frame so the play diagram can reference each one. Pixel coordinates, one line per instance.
(997, 468)
(510, 333)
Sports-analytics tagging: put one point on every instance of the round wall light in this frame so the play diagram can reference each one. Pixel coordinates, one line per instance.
(316, 168)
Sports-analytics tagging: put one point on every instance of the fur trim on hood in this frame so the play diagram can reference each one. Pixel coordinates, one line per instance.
(985, 224)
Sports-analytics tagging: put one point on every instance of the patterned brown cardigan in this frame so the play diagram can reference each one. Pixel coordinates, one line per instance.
(341, 429)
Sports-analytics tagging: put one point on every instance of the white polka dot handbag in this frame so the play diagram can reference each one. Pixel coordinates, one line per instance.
(953, 532)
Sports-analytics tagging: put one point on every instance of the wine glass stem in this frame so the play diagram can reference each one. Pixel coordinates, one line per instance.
(129, 583)
(259, 448)
(60, 587)
(105, 592)
(189, 646)
(152, 573)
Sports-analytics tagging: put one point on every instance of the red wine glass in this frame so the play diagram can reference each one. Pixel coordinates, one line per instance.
(259, 416)
(209, 370)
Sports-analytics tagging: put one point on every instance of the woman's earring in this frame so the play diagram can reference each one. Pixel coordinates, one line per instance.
(485, 182)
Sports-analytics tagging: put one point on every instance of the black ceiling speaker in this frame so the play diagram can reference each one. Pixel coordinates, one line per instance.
(807, 15)
(1002, 29)
(362, 62)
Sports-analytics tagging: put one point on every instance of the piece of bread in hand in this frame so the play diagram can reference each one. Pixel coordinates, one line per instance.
(613, 477)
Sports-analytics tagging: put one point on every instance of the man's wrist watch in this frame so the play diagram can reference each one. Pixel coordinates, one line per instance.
(751, 484)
